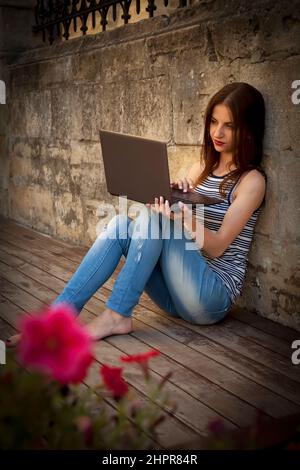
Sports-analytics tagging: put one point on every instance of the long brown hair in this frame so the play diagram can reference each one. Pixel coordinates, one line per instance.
(247, 107)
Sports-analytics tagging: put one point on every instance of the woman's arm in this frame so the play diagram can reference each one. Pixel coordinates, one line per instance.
(249, 197)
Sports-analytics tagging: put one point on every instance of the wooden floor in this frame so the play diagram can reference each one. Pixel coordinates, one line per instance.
(227, 371)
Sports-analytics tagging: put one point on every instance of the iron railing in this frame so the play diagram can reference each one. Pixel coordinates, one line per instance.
(53, 16)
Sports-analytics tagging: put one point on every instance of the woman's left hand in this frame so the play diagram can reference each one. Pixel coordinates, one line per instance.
(163, 207)
(187, 217)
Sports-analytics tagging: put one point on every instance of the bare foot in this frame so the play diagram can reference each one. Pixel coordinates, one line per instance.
(109, 323)
(13, 341)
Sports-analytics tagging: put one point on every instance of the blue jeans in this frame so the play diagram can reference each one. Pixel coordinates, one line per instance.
(178, 280)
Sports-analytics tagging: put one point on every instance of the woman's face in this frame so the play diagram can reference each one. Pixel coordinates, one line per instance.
(221, 129)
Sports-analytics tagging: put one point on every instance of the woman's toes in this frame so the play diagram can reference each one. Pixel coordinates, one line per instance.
(107, 325)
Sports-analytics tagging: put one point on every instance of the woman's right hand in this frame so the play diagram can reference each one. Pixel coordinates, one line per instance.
(184, 184)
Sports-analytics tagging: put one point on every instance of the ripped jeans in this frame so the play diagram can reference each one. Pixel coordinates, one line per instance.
(178, 280)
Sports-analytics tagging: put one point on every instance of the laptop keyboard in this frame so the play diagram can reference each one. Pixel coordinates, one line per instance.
(193, 198)
(187, 198)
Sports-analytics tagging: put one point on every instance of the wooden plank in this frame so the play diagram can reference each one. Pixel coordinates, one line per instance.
(40, 276)
(106, 353)
(275, 379)
(233, 328)
(264, 324)
(249, 368)
(190, 411)
(6, 330)
(188, 402)
(222, 335)
(222, 402)
(219, 400)
(170, 430)
(228, 379)
(107, 404)
(183, 433)
(27, 234)
(265, 340)
(75, 253)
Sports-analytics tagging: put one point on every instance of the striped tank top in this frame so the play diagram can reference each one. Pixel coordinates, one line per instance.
(232, 265)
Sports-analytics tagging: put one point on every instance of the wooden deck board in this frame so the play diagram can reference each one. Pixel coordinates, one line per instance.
(229, 370)
(107, 404)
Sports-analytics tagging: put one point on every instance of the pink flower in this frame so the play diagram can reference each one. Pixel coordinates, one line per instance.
(112, 377)
(141, 359)
(54, 343)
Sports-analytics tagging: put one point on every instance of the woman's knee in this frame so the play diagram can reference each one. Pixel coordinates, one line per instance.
(146, 225)
(118, 226)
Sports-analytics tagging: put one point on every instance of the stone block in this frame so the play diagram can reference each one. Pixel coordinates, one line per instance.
(181, 158)
(98, 212)
(53, 73)
(32, 205)
(124, 62)
(66, 108)
(30, 115)
(289, 198)
(17, 122)
(109, 108)
(272, 281)
(26, 79)
(86, 179)
(282, 116)
(147, 112)
(4, 176)
(82, 152)
(93, 99)
(68, 216)
(268, 222)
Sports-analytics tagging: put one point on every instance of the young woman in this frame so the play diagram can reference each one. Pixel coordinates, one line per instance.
(197, 285)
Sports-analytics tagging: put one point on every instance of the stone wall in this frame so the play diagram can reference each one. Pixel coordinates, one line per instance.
(16, 19)
(154, 78)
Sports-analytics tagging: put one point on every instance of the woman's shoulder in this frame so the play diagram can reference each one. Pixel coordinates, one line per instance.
(251, 180)
(254, 177)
